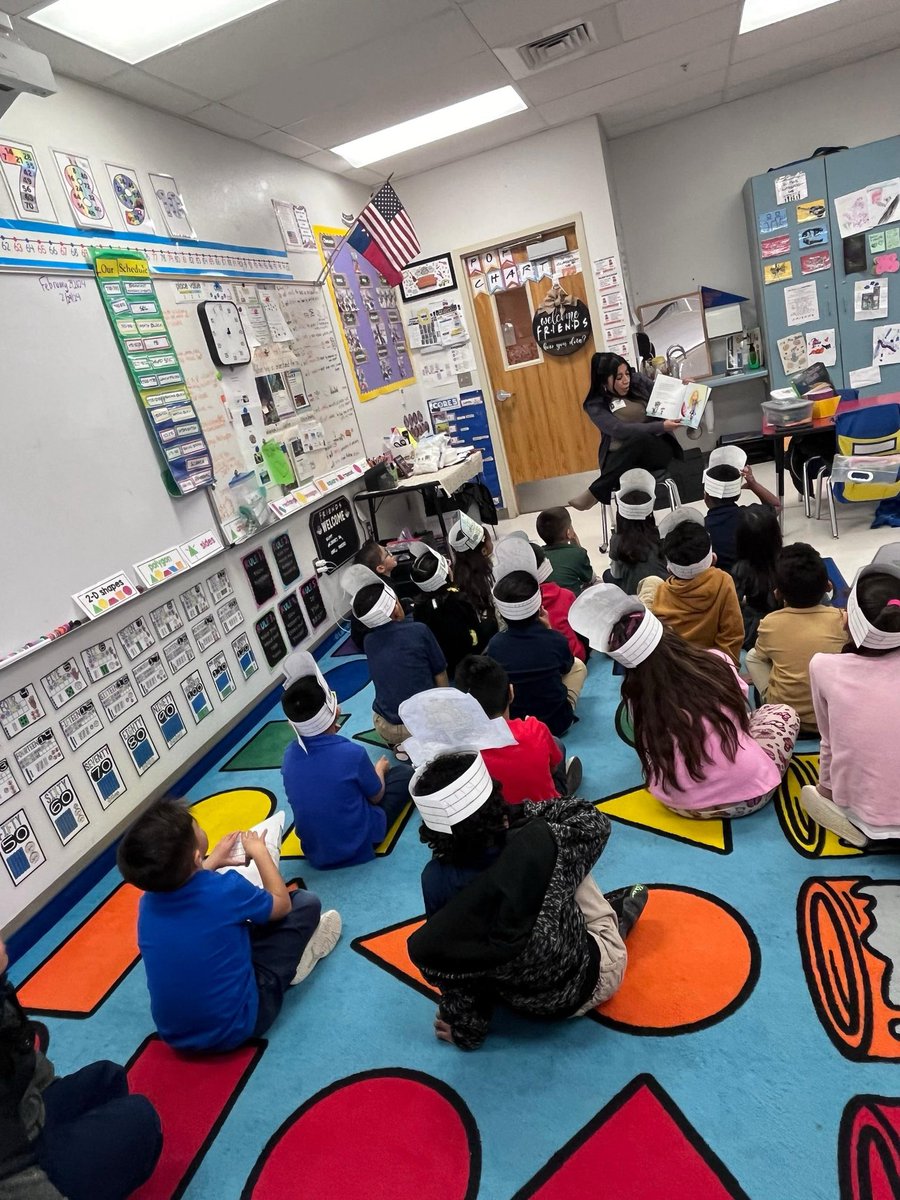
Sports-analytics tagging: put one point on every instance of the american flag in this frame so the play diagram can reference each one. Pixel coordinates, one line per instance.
(389, 226)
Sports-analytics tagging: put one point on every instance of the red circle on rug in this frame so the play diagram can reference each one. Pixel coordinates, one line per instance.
(409, 1131)
(692, 960)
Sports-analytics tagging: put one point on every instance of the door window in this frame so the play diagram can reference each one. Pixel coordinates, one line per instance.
(514, 317)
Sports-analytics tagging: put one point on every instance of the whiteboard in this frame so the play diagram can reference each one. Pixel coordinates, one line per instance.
(84, 497)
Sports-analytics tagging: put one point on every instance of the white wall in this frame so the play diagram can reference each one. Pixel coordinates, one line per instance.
(678, 186)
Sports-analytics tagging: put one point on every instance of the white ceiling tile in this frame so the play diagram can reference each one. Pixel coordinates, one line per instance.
(412, 95)
(683, 43)
(847, 16)
(607, 95)
(364, 175)
(67, 57)
(884, 30)
(667, 99)
(766, 80)
(13, 7)
(283, 143)
(226, 120)
(622, 129)
(640, 17)
(511, 22)
(462, 145)
(325, 160)
(284, 38)
(155, 93)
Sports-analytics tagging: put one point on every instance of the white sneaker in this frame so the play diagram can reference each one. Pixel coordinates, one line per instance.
(320, 945)
(826, 813)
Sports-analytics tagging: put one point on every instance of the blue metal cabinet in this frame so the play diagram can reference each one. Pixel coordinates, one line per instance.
(466, 417)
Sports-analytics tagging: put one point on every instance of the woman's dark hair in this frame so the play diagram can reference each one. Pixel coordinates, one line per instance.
(469, 840)
(801, 575)
(513, 589)
(757, 544)
(303, 699)
(686, 544)
(157, 852)
(680, 697)
(636, 541)
(486, 680)
(604, 365)
(873, 594)
(473, 575)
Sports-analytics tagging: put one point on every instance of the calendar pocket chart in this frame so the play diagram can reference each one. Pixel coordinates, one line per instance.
(63, 683)
(150, 674)
(81, 724)
(243, 652)
(19, 848)
(168, 719)
(221, 675)
(64, 809)
(19, 710)
(136, 638)
(118, 697)
(100, 660)
(139, 746)
(104, 775)
(39, 756)
(179, 653)
(206, 633)
(197, 697)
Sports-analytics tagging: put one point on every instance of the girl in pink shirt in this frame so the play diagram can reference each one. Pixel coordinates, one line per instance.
(857, 703)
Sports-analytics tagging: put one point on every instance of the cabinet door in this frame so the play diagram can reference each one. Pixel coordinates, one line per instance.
(850, 171)
(789, 253)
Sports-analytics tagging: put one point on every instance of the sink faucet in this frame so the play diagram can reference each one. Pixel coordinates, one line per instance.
(676, 357)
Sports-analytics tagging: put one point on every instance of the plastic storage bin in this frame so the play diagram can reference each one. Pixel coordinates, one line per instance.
(787, 412)
(877, 469)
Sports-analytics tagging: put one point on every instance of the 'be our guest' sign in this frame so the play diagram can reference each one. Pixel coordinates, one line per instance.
(561, 325)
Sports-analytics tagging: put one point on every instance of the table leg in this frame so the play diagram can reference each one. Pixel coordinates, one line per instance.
(372, 519)
(779, 476)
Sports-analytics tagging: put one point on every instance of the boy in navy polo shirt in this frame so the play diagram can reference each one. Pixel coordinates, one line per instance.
(342, 804)
(404, 658)
(219, 952)
(723, 481)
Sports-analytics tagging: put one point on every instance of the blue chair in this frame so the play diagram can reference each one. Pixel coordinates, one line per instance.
(869, 432)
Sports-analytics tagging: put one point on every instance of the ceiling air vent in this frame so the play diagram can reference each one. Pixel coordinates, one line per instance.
(551, 48)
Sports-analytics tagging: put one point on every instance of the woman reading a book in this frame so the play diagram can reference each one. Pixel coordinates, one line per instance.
(617, 404)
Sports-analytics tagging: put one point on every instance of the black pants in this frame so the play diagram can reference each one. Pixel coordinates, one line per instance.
(275, 949)
(653, 453)
(396, 792)
(98, 1142)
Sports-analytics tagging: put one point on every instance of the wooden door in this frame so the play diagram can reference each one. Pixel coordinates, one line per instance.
(545, 431)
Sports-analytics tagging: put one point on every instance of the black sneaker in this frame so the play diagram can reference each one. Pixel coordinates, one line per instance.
(574, 776)
(628, 904)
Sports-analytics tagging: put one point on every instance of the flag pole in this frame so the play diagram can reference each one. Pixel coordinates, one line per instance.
(329, 262)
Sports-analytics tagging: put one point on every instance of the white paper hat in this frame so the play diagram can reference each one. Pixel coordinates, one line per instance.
(439, 564)
(511, 554)
(595, 613)
(382, 611)
(442, 810)
(446, 721)
(356, 577)
(725, 456)
(677, 517)
(466, 534)
(299, 665)
(636, 480)
(861, 628)
(671, 521)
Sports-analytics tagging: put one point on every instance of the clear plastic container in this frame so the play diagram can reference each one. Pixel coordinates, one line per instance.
(866, 468)
(787, 412)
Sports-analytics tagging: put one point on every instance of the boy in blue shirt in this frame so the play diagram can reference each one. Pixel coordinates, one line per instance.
(403, 655)
(219, 952)
(726, 476)
(342, 804)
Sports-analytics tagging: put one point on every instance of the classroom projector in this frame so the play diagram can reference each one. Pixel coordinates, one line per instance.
(21, 69)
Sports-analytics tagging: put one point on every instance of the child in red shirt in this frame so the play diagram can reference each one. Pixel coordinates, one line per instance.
(534, 769)
(556, 602)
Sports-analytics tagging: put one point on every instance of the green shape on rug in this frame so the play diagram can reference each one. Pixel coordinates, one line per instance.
(265, 750)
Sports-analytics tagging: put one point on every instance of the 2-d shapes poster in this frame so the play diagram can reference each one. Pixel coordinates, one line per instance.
(82, 193)
(130, 202)
(25, 182)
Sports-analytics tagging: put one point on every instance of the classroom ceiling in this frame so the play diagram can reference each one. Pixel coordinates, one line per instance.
(302, 75)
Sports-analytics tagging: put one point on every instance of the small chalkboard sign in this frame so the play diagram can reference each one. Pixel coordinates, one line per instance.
(269, 634)
(334, 531)
(259, 575)
(285, 559)
(315, 605)
(562, 329)
(294, 621)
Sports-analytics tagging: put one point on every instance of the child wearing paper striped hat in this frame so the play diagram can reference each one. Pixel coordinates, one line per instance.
(443, 608)
(702, 753)
(857, 703)
(472, 548)
(725, 477)
(634, 553)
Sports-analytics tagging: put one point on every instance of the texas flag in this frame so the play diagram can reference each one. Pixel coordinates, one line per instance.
(361, 241)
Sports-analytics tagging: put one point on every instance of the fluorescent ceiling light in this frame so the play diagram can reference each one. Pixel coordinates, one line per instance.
(133, 31)
(758, 13)
(431, 127)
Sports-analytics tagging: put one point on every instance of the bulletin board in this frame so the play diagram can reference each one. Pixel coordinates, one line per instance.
(370, 322)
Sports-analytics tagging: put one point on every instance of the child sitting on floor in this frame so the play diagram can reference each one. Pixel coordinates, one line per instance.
(473, 572)
(757, 544)
(342, 804)
(556, 602)
(571, 566)
(697, 601)
(723, 480)
(634, 553)
(444, 609)
(514, 919)
(403, 655)
(219, 952)
(787, 639)
(378, 559)
(701, 753)
(857, 705)
(535, 768)
(70, 1137)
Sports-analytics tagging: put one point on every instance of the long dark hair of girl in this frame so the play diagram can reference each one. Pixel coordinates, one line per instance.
(757, 544)
(473, 574)
(681, 696)
(874, 594)
(604, 364)
(636, 541)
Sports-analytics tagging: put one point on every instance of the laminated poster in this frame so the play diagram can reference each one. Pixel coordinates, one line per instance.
(801, 303)
(130, 202)
(82, 194)
(81, 725)
(103, 773)
(139, 745)
(19, 710)
(19, 848)
(8, 785)
(168, 719)
(25, 182)
(172, 206)
(61, 803)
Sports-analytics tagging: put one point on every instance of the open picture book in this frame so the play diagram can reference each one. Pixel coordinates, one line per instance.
(672, 400)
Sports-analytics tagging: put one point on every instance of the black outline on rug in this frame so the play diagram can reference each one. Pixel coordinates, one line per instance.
(444, 1090)
(404, 821)
(673, 837)
(867, 1140)
(357, 944)
(341, 720)
(785, 810)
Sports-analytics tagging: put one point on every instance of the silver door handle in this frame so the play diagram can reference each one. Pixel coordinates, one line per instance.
(504, 395)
